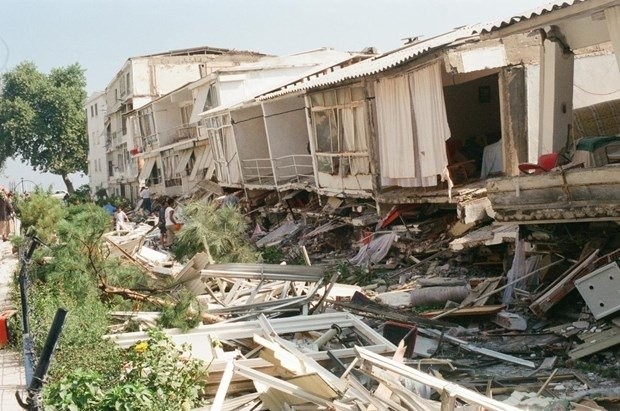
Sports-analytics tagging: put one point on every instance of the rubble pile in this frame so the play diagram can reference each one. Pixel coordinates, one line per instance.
(415, 310)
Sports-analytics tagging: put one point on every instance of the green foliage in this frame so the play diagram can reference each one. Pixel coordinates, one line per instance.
(158, 376)
(185, 314)
(81, 344)
(70, 279)
(40, 212)
(223, 229)
(272, 255)
(176, 382)
(80, 196)
(116, 201)
(78, 391)
(42, 119)
(79, 261)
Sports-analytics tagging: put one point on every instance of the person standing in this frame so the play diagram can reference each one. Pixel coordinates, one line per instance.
(122, 221)
(161, 224)
(6, 214)
(145, 193)
(171, 223)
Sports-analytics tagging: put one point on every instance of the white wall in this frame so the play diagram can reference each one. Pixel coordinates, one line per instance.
(167, 118)
(596, 79)
(250, 133)
(286, 126)
(169, 77)
(97, 163)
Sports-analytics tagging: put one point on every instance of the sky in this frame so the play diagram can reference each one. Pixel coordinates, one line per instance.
(102, 34)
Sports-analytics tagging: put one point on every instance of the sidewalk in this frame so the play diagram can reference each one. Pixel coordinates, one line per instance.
(11, 368)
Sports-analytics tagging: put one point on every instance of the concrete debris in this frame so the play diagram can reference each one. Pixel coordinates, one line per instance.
(510, 321)
(483, 314)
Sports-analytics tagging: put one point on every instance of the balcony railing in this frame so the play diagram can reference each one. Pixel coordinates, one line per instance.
(295, 168)
(257, 171)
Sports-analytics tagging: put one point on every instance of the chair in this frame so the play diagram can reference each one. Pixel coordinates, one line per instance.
(546, 162)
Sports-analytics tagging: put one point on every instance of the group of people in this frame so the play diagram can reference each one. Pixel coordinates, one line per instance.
(167, 222)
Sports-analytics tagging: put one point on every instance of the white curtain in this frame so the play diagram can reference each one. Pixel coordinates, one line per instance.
(612, 17)
(354, 138)
(360, 165)
(395, 129)
(431, 121)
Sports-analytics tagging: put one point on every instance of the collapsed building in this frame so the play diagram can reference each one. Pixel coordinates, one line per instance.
(476, 173)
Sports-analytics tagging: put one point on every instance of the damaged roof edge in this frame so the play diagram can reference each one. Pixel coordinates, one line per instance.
(383, 62)
(533, 15)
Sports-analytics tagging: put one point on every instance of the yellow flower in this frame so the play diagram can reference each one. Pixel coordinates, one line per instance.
(141, 347)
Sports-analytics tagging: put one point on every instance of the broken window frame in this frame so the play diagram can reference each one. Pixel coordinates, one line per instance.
(332, 154)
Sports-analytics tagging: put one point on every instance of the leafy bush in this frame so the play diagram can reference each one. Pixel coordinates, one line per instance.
(272, 255)
(185, 314)
(80, 195)
(157, 376)
(40, 212)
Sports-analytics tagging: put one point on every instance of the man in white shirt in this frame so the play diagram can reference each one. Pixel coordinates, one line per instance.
(146, 199)
(172, 225)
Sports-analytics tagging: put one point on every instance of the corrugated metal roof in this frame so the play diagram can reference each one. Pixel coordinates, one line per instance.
(378, 64)
(539, 11)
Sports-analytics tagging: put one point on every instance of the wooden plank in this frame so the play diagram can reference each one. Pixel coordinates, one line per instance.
(467, 311)
(562, 286)
(485, 287)
(440, 385)
(597, 342)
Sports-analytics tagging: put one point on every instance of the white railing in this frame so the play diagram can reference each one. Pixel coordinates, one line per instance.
(294, 168)
(257, 171)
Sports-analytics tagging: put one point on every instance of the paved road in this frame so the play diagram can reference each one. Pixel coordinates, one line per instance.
(11, 368)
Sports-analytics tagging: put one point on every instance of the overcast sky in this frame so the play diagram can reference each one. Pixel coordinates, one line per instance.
(102, 34)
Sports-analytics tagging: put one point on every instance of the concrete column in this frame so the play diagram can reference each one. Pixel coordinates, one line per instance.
(513, 114)
(556, 96)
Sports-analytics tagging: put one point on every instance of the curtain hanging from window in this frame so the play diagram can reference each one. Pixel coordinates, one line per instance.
(431, 120)
(354, 138)
(394, 116)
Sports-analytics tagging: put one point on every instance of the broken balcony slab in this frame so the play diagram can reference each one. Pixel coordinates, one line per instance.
(578, 194)
(488, 235)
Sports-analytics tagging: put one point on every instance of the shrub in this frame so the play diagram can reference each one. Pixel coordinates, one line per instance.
(223, 229)
(157, 376)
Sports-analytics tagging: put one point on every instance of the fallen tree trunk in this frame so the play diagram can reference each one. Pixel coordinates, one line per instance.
(136, 296)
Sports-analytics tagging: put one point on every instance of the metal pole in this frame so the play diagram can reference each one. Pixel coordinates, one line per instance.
(44, 362)
(23, 287)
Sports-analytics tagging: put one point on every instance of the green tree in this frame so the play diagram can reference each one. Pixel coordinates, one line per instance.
(42, 119)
